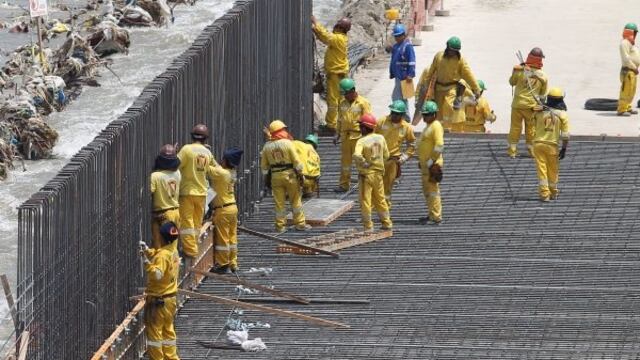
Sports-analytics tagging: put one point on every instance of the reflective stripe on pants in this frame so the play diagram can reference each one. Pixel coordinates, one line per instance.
(372, 194)
(191, 212)
(546, 157)
(518, 116)
(431, 191)
(282, 184)
(225, 220)
(161, 336)
(629, 82)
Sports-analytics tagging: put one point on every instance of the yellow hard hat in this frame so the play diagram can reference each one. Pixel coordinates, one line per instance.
(556, 92)
(392, 14)
(276, 125)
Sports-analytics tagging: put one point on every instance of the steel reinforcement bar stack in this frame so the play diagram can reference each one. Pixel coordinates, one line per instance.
(77, 256)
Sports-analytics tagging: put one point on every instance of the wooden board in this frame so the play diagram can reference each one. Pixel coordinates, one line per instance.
(336, 241)
(321, 212)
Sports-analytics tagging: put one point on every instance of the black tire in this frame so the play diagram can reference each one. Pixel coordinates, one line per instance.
(599, 104)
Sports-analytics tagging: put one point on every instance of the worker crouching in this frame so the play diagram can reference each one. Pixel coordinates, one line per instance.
(161, 269)
(477, 111)
(165, 187)
(307, 151)
(430, 161)
(370, 155)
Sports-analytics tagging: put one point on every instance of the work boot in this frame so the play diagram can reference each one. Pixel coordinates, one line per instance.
(434, 222)
(554, 196)
(304, 227)
(624, 113)
(544, 199)
(385, 228)
(233, 269)
(224, 269)
(307, 195)
(633, 112)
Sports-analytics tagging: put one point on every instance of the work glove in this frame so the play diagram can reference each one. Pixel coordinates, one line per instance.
(563, 152)
(336, 140)
(143, 246)
(403, 159)
(435, 172)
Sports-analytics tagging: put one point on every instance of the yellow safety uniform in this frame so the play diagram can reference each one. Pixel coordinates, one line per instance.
(370, 155)
(448, 72)
(529, 83)
(630, 56)
(311, 162)
(280, 158)
(195, 160)
(336, 66)
(225, 216)
(160, 308)
(477, 113)
(551, 125)
(430, 148)
(349, 130)
(395, 135)
(165, 189)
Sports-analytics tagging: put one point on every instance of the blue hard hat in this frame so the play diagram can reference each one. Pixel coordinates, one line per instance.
(233, 156)
(169, 232)
(399, 30)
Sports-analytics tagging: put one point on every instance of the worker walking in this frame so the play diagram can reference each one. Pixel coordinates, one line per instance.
(403, 62)
(311, 160)
(370, 154)
(430, 162)
(477, 111)
(225, 212)
(336, 66)
(282, 168)
(530, 87)
(195, 159)
(161, 269)
(449, 67)
(630, 56)
(351, 109)
(165, 190)
(397, 132)
(551, 125)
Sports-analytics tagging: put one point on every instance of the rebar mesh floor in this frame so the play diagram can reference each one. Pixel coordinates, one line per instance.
(504, 277)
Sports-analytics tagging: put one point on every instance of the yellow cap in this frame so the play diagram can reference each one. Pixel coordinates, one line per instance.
(556, 92)
(276, 125)
(392, 14)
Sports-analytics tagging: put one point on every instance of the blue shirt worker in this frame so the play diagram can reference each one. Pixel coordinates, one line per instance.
(403, 62)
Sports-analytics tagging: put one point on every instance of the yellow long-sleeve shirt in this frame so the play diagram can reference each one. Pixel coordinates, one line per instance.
(431, 146)
(162, 271)
(450, 70)
(195, 159)
(279, 154)
(529, 84)
(629, 54)
(223, 182)
(371, 153)
(551, 125)
(336, 60)
(349, 114)
(165, 189)
(478, 112)
(309, 158)
(397, 134)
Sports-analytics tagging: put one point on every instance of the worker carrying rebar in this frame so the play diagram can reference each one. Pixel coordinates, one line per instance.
(336, 66)
(449, 67)
(161, 269)
(370, 155)
(165, 190)
(477, 111)
(630, 56)
(552, 124)
(403, 62)
(430, 162)
(530, 88)
(225, 211)
(282, 170)
(397, 133)
(352, 107)
(311, 160)
(195, 159)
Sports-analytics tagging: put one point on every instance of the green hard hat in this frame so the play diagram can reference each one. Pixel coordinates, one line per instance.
(347, 85)
(631, 26)
(429, 107)
(399, 107)
(481, 85)
(454, 43)
(312, 138)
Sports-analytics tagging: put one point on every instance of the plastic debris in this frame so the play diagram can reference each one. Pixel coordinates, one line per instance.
(243, 290)
(242, 338)
(264, 271)
(237, 324)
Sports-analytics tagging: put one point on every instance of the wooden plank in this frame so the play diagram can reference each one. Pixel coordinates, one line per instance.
(106, 346)
(9, 297)
(322, 212)
(24, 345)
(274, 311)
(288, 242)
(337, 241)
(366, 238)
(237, 281)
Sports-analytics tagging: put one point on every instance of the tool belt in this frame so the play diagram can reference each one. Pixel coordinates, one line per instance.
(223, 206)
(627, 69)
(447, 84)
(159, 300)
(279, 168)
(163, 210)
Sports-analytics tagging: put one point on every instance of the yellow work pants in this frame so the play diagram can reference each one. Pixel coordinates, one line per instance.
(283, 184)
(333, 99)
(474, 128)
(158, 220)
(431, 191)
(191, 212)
(310, 185)
(161, 336)
(225, 221)
(372, 194)
(447, 115)
(518, 116)
(629, 82)
(546, 156)
(347, 147)
(389, 178)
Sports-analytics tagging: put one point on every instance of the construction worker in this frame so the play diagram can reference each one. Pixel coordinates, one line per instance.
(430, 161)
(403, 62)
(530, 87)
(630, 56)
(336, 66)
(195, 159)
(396, 131)
(225, 212)
(477, 111)
(370, 155)
(311, 160)
(449, 67)
(165, 189)
(161, 269)
(282, 169)
(551, 125)
(351, 109)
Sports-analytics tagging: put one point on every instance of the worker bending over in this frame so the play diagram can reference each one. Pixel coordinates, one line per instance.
(430, 162)
(551, 125)
(630, 56)
(477, 111)
(311, 160)
(165, 187)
